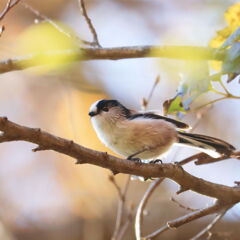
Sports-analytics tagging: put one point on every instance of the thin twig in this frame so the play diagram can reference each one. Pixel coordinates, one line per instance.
(7, 8)
(141, 207)
(211, 225)
(2, 28)
(55, 25)
(89, 23)
(211, 102)
(112, 180)
(194, 215)
(224, 88)
(126, 223)
(185, 219)
(121, 205)
(145, 101)
(182, 206)
(10, 4)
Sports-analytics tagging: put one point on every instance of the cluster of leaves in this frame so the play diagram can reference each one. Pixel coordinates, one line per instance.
(197, 80)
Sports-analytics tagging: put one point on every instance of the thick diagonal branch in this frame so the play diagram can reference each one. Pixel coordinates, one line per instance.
(45, 141)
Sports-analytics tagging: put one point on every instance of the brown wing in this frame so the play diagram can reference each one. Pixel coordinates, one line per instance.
(178, 124)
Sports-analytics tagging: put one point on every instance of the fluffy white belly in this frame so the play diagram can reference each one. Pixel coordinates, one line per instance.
(131, 137)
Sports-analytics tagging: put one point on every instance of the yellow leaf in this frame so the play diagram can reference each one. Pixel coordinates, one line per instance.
(232, 16)
(43, 39)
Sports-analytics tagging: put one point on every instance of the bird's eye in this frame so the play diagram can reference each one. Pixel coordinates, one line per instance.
(105, 109)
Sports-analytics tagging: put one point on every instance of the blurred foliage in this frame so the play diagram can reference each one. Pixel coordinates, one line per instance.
(196, 78)
(42, 38)
(194, 82)
(232, 17)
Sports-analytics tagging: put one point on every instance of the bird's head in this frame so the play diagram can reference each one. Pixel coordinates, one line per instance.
(108, 110)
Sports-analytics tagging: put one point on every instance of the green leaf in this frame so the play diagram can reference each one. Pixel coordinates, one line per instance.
(234, 37)
(231, 63)
(195, 81)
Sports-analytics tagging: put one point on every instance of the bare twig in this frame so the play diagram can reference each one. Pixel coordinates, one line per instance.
(89, 23)
(207, 159)
(141, 207)
(145, 101)
(182, 206)
(211, 225)
(172, 52)
(121, 205)
(2, 28)
(54, 24)
(194, 215)
(10, 4)
(156, 233)
(112, 180)
(127, 223)
(210, 103)
(225, 95)
(186, 219)
(224, 88)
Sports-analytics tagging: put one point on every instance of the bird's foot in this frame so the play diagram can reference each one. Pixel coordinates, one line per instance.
(156, 161)
(138, 160)
(178, 164)
(147, 178)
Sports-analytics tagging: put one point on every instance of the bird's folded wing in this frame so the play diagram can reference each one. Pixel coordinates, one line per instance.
(153, 115)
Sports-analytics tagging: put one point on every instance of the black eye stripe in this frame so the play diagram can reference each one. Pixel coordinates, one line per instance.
(105, 109)
(108, 104)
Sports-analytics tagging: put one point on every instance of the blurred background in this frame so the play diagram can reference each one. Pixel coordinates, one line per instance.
(44, 195)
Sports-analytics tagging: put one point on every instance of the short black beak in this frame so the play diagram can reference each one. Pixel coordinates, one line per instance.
(91, 114)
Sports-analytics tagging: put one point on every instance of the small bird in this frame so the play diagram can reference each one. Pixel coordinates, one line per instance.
(147, 135)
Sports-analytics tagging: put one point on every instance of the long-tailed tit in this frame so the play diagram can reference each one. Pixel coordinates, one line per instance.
(147, 135)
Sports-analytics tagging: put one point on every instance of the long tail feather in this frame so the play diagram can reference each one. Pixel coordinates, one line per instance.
(212, 146)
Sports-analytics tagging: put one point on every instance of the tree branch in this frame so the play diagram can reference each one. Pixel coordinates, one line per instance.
(10, 4)
(211, 224)
(45, 141)
(187, 218)
(89, 23)
(141, 207)
(172, 52)
(121, 205)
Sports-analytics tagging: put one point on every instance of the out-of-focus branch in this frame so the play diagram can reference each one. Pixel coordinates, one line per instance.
(141, 207)
(47, 19)
(172, 52)
(89, 23)
(186, 219)
(121, 205)
(182, 206)
(56, 25)
(10, 4)
(126, 223)
(145, 101)
(211, 225)
(46, 141)
(2, 28)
